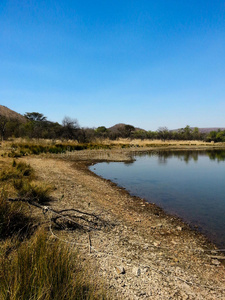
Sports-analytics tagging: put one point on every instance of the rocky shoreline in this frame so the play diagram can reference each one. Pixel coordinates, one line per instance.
(137, 250)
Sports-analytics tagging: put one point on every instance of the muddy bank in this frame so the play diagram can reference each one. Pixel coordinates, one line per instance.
(140, 252)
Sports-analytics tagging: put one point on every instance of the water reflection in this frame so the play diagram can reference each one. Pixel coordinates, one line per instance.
(186, 156)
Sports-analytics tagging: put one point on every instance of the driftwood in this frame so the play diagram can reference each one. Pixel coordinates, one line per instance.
(68, 218)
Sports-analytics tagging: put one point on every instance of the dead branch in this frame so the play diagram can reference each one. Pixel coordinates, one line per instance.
(73, 219)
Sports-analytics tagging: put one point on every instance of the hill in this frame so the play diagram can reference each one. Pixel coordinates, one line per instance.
(11, 115)
(202, 130)
(122, 126)
(208, 130)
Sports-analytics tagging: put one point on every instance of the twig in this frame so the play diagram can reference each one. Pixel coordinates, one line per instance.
(89, 237)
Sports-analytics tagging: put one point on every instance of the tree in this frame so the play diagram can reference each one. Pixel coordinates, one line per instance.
(101, 130)
(187, 133)
(36, 126)
(220, 136)
(3, 123)
(211, 136)
(163, 133)
(196, 134)
(70, 128)
(35, 116)
(139, 134)
(126, 131)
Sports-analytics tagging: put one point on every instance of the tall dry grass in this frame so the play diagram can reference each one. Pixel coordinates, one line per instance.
(33, 265)
(147, 142)
(44, 269)
(22, 147)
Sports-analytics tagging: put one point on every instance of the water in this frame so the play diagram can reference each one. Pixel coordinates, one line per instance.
(189, 184)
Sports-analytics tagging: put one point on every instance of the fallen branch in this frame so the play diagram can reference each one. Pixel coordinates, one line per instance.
(83, 221)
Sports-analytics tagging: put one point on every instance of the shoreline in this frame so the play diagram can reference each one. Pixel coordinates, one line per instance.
(192, 226)
(126, 155)
(145, 253)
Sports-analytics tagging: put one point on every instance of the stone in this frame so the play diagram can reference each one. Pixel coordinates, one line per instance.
(156, 244)
(137, 271)
(120, 270)
(215, 262)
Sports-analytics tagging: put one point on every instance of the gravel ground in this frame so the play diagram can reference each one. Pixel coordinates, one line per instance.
(134, 247)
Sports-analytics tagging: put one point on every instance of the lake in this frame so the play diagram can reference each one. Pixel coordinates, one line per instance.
(188, 184)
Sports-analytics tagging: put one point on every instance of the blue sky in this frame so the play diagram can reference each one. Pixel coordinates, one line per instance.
(146, 63)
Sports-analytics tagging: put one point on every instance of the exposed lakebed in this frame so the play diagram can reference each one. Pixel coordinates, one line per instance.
(189, 184)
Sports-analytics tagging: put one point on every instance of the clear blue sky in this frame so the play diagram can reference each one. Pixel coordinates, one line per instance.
(146, 63)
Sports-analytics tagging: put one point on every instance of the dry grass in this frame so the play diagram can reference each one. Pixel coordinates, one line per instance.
(14, 218)
(146, 142)
(43, 268)
(35, 265)
(22, 147)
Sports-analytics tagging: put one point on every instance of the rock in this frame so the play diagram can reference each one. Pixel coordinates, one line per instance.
(120, 270)
(173, 242)
(136, 271)
(156, 244)
(145, 247)
(215, 262)
(179, 228)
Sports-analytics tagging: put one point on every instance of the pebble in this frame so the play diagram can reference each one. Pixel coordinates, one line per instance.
(179, 228)
(136, 271)
(120, 270)
(216, 262)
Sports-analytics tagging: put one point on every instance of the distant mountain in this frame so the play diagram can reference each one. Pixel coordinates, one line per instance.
(12, 115)
(122, 126)
(208, 130)
(204, 130)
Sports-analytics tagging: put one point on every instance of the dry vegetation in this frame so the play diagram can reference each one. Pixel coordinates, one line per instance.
(33, 265)
(152, 143)
(22, 147)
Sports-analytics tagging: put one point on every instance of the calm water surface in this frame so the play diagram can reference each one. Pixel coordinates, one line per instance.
(190, 184)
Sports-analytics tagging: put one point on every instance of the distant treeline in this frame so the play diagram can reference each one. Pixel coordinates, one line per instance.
(37, 126)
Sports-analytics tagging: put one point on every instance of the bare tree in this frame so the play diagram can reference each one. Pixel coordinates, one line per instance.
(70, 128)
(163, 133)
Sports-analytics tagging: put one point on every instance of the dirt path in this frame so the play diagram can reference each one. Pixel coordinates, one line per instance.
(140, 252)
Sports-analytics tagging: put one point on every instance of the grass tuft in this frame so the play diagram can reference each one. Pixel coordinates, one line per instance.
(17, 171)
(13, 218)
(39, 192)
(44, 269)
